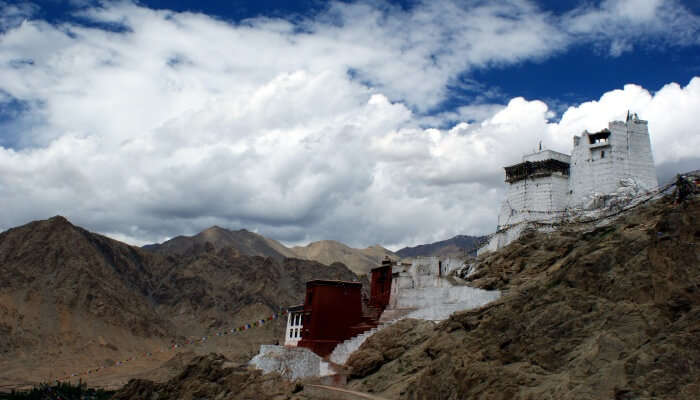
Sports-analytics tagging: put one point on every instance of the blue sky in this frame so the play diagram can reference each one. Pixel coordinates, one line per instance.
(365, 122)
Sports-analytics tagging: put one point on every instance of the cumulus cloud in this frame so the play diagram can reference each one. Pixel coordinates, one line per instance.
(148, 124)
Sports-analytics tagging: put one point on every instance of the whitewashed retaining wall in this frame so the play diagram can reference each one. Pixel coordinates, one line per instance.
(432, 304)
(436, 304)
(290, 362)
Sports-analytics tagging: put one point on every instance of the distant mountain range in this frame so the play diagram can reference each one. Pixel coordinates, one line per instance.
(360, 261)
(69, 297)
(457, 246)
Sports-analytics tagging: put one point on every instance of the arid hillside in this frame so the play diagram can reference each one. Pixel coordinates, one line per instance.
(71, 299)
(611, 312)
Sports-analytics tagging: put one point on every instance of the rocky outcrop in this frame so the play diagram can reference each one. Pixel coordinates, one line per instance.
(211, 377)
(587, 313)
(384, 348)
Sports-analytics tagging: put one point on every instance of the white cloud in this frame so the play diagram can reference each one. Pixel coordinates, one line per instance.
(183, 121)
(13, 14)
(619, 24)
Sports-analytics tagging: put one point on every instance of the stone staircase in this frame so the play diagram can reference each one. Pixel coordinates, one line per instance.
(391, 315)
(342, 352)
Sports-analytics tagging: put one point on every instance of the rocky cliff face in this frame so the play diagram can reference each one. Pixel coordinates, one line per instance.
(588, 313)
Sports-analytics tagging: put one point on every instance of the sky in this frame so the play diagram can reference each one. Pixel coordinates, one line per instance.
(367, 122)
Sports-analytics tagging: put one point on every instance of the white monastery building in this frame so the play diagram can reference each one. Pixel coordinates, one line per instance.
(604, 167)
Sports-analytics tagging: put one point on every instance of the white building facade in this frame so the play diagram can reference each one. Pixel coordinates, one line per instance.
(599, 161)
(548, 184)
(295, 325)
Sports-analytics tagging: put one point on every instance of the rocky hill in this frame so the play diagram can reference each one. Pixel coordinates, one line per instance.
(360, 261)
(457, 246)
(70, 298)
(587, 313)
(245, 242)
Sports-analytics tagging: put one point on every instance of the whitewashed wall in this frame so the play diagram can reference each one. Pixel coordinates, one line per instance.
(627, 155)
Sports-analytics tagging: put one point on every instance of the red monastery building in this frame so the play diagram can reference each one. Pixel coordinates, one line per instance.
(331, 308)
(334, 311)
(381, 284)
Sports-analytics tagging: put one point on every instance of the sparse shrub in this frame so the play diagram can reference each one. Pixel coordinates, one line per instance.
(62, 390)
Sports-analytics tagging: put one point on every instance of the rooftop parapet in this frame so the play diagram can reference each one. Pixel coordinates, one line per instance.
(535, 169)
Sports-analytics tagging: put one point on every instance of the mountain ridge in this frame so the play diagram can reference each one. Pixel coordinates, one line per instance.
(327, 252)
(456, 246)
(361, 261)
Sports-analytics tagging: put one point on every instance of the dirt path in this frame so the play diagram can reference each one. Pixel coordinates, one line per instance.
(337, 393)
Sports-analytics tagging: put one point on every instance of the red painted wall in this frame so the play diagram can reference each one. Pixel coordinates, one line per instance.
(380, 290)
(330, 309)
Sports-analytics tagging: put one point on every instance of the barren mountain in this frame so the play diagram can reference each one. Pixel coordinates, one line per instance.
(245, 242)
(457, 246)
(327, 252)
(360, 261)
(71, 299)
(587, 313)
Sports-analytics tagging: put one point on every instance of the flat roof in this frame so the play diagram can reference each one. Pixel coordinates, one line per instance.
(323, 282)
(382, 266)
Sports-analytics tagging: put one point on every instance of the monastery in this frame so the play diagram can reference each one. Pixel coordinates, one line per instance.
(613, 165)
(604, 167)
(335, 318)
